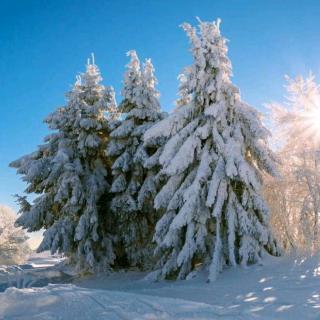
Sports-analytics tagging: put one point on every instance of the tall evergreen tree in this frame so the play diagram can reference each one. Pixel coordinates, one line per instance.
(134, 183)
(70, 175)
(216, 151)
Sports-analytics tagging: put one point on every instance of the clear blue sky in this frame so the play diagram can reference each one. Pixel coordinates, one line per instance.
(44, 44)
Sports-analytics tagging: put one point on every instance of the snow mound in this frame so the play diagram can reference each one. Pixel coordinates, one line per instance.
(71, 302)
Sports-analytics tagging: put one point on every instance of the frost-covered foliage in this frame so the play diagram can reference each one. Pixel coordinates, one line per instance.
(13, 246)
(214, 159)
(134, 179)
(295, 197)
(69, 173)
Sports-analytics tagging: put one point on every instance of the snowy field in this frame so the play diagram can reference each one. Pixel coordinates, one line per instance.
(284, 288)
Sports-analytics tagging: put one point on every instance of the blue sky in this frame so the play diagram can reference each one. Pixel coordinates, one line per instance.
(44, 44)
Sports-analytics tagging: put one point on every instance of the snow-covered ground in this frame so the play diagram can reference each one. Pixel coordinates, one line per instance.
(71, 302)
(38, 271)
(284, 288)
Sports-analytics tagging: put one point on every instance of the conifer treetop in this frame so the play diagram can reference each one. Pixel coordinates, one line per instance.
(140, 97)
(132, 80)
(211, 69)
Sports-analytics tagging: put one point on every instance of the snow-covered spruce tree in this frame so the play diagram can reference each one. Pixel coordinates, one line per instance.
(13, 246)
(134, 180)
(214, 159)
(70, 175)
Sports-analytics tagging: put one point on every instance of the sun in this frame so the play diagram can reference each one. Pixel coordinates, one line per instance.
(314, 118)
(309, 122)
